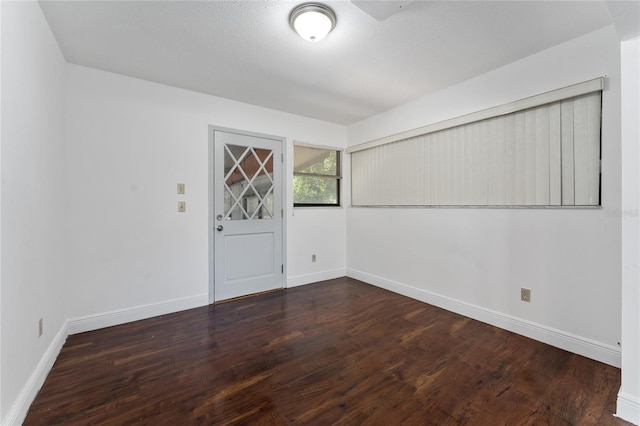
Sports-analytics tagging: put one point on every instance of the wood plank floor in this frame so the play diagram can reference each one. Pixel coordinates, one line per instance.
(337, 352)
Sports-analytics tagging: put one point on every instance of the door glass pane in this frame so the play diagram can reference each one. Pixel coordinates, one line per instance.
(236, 213)
(266, 159)
(267, 207)
(251, 165)
(232, 201)
(233, 155)
(250, 201)
(248, 183)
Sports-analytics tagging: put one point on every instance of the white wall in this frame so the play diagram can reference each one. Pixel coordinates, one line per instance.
(106, 203)
(318, 230)
(629, 396)
(321, 232)
(33, 233)
(475, 260)
(129, 143)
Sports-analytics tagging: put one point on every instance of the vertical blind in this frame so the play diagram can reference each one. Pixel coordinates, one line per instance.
(547, 155)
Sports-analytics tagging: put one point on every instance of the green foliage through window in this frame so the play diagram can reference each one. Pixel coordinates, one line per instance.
(316, 177)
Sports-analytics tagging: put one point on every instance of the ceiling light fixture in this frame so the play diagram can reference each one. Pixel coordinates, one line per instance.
(312, 21)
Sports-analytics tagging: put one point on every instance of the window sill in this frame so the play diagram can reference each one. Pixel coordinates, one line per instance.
(318, 207)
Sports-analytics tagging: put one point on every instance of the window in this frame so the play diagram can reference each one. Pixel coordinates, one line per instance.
(540, 151)
(316, 177)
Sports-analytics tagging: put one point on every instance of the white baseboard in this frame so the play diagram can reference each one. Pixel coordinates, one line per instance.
(314, 278)
(598, 351)
(628, 408)
(20, 407)
(18, 411)
(122, 316)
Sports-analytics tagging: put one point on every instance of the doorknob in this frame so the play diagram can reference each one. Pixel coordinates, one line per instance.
(219, 227)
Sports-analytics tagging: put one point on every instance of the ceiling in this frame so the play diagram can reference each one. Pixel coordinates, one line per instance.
(246, 51)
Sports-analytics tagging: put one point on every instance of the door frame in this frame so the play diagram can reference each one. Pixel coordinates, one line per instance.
(211, 195)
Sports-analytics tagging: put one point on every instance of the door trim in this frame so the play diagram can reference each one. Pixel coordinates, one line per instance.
(211, 195)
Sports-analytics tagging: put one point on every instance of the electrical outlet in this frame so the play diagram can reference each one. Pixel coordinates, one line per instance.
(181, 188)
(313, 257)
(525, 294)
(40, 327)
(182, 206)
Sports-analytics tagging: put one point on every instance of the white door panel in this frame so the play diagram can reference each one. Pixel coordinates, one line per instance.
(256, 247)
(247, 222)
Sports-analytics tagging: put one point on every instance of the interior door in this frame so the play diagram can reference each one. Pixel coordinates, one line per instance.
(248, 246)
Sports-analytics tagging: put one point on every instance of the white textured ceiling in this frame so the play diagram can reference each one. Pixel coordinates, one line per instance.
(245, 50)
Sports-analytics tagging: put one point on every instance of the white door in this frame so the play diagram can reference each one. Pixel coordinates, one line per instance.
(247, 208)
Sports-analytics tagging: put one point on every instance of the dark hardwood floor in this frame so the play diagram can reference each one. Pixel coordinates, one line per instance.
(336, 352)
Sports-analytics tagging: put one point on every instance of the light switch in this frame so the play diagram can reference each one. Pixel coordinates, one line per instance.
(182, 206)
(181, 188)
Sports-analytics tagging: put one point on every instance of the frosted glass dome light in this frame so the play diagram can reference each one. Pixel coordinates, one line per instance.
(312, 21)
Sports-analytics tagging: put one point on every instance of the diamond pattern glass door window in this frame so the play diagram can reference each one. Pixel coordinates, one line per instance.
(248, 183)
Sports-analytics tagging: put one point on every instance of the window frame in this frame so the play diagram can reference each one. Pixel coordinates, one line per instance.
(337, 177)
